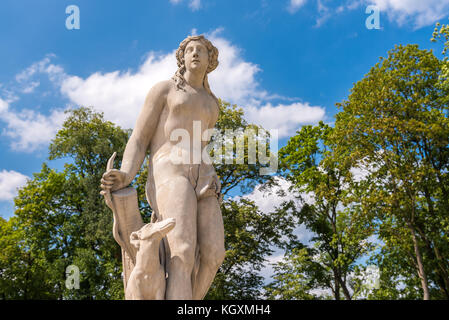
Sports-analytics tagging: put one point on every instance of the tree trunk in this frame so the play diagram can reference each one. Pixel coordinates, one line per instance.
(443, 271)
(440, 270)
(421, 272)
(345, 290)
(337, 285)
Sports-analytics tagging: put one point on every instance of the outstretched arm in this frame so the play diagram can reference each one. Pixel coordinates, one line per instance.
(140, 139)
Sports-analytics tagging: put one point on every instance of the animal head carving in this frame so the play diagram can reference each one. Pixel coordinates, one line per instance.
(152, 231)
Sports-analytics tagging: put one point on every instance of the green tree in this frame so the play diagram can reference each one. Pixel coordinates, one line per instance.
(396, 121)
(441, 32)
(300, 277)
(332, 214)
(20, 276)
(250, 235)
(61, 219)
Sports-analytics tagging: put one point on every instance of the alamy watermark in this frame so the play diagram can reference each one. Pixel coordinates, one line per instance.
(249, 146)
(72, 280)
(372, 277)
(373, 20)
(73, 20)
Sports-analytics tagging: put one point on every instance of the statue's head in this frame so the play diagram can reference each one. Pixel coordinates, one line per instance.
(152, 232)
(188, 42)
(183, 55)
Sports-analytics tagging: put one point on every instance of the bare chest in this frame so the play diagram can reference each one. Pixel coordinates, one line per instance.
(190, 105)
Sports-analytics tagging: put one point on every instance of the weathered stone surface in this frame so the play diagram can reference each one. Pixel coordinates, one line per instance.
(181, 185)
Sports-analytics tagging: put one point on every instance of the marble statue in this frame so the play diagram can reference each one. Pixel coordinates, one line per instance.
(147, 279)
(184, 195)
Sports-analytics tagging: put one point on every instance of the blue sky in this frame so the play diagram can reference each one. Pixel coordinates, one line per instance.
(286, 62)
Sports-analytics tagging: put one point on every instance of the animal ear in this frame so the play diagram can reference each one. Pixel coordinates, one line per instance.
(135, 239)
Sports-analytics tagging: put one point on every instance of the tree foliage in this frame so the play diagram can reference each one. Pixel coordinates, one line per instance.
(62, 220)
(329, 210)
(250, 234)
(372, 190)
(396, 122)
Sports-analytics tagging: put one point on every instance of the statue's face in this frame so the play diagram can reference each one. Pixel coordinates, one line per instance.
(196, 56)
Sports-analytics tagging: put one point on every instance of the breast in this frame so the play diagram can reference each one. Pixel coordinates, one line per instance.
(178, 101)
(186, 107)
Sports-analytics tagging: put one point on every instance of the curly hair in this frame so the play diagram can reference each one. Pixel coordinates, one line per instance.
(178, 78)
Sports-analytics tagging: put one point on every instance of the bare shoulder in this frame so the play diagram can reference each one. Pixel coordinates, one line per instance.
(156, 98)
(161, 88)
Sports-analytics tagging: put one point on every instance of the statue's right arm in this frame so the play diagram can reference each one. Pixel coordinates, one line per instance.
(139, 141)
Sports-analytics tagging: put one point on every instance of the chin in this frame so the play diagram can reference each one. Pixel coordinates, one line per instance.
(197, 68)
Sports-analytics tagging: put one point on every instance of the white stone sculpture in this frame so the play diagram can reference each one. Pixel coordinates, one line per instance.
(188, 191)
(147, 280)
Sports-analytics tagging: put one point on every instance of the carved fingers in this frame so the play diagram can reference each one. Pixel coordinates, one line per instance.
(113, 179)
(109, 179)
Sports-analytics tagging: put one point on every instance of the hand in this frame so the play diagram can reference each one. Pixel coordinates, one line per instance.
(113, 179)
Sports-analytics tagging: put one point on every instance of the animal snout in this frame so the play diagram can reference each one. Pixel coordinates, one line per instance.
(165, 225)
(135, 239)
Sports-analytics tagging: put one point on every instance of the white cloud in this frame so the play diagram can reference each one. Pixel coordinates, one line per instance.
(295, 5)
(414, 13)
(30, 88)
(326, 11)
(268, 200)
(10, 181)
(353, 4)
(25, 79)
(28, 72)
(54, 72)
(120, 95)
(420, 13)
(29, 129)
(267, 270)
(3, 106)
(286, 118)
(194, 5)
(235, 79)
(364, 168)
(359, 174)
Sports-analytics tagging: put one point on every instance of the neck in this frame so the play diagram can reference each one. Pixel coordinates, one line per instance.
(194, 79)
(148, 254)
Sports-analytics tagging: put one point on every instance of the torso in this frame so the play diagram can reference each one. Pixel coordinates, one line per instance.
(180, 111)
